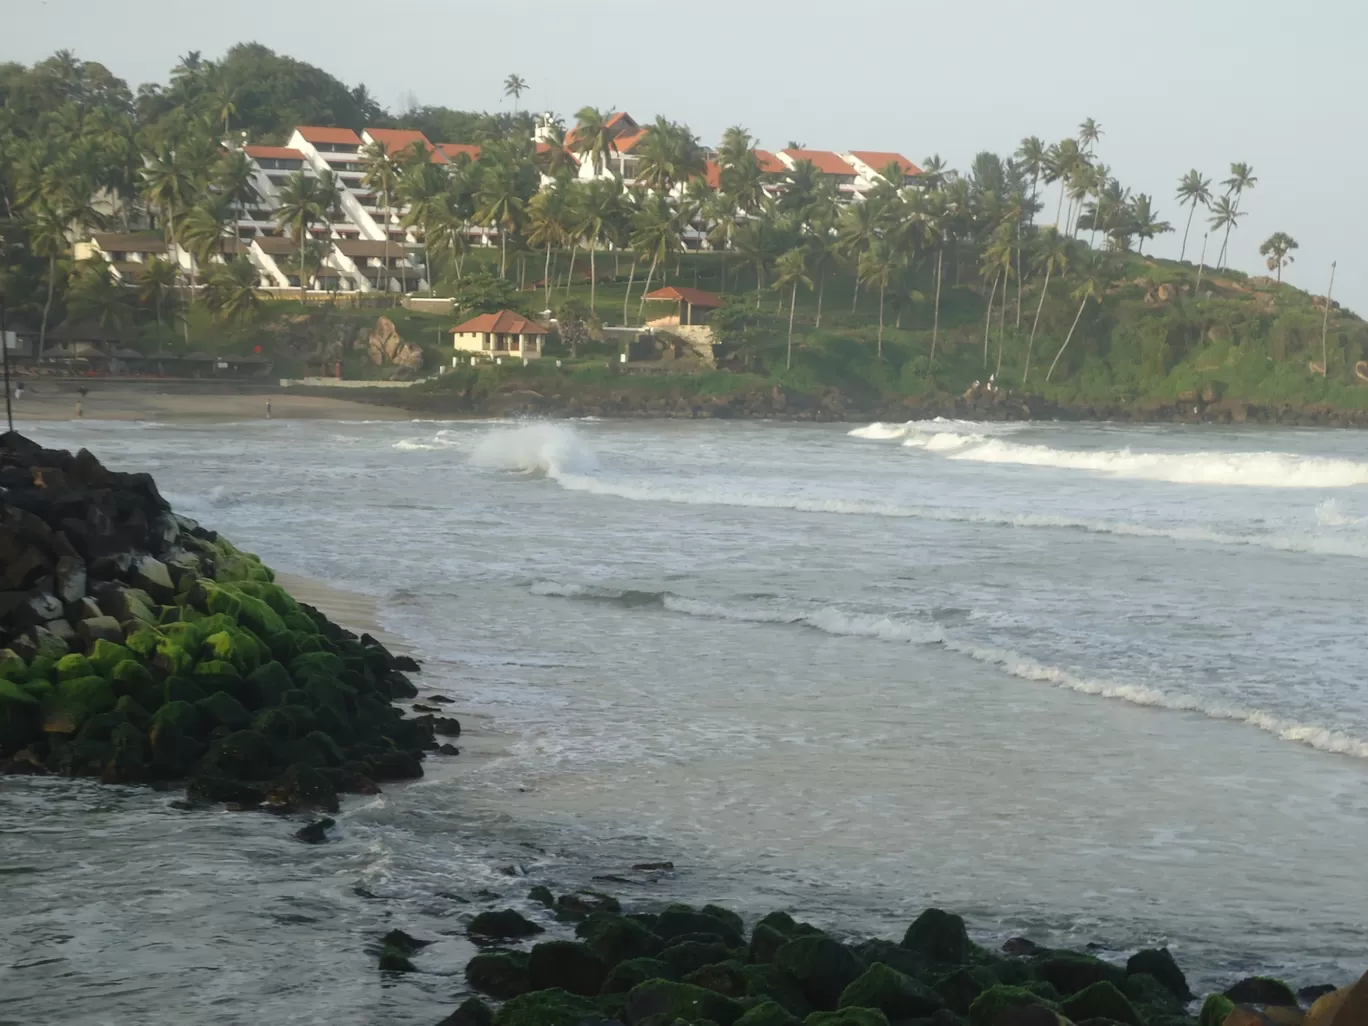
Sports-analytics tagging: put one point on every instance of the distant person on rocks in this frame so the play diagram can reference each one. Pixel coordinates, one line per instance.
(18, 390)
(268, 409)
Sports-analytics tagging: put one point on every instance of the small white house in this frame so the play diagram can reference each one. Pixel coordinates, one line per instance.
(500, 334)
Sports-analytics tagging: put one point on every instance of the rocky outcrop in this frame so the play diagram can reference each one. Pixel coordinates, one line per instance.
(936, 977)
(136, 645)
(386, 346)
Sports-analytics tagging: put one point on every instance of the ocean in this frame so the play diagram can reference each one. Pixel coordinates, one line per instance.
(1093, 684)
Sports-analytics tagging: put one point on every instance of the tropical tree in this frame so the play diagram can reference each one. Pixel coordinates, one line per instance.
(302, 202)
(997, 260)
(1224, 217)
(593, 138)
(933, 173)
(669, 154)
(156, 285)
(93, 295)
(593, 221)
(1089, 134)
(1062, 161)
(47, 230)
(1278, 249)
(201, 231)
(548, 217)
(381, 177)
(1193, 189)
(1092, 286)
(790, 271)
(876, 268)
(230, 291)
(654, 231)
(515, 86)
(423, 190)
(1031, 154)
(167, 187)
(1052, 256)
(1241, 179)
(759, 243)
(1144, 220)
(501, 202)
(857, 232)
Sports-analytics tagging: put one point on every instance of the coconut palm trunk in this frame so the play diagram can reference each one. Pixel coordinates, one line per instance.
(821, 287)
(641, 307)
(631, 280)
(1183, 252)
(1077, 317)
(593, 278)
(882, 289)
(1021, 281)
(1002, 328)
(546, 276)
(988, 322)
(570, 274)
(503, 252)
(935, 317)
(47, 306)
(793, 304)
(1325, 323)
(1030, 344)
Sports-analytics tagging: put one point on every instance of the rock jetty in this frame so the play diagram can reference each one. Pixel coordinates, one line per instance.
(139, 647)
(685, 966)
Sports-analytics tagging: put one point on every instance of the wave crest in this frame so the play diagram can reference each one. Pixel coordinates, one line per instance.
(551, 450)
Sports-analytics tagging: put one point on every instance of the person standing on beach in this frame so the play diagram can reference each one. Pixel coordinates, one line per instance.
(80, 402)
(268, 409)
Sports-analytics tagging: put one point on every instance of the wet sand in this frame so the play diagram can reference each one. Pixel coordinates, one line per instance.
(48, 400)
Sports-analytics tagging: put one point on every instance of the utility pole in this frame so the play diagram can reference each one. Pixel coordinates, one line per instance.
(4, 348)
(1325, 322)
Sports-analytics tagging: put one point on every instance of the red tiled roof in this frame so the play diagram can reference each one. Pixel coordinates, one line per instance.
(339, 136)
(396, 139)
(694, 297)
(823, 160)
(769, 163)
(621, 118)
(627, 140)
(712, 174)
(453, 150)
(273, 152)
(505, 322)
(879, 160)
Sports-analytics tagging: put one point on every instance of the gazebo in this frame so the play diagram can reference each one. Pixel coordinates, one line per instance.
(688, 300)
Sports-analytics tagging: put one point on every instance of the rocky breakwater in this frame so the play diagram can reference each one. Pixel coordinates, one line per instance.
(698, 966)
(139, 647)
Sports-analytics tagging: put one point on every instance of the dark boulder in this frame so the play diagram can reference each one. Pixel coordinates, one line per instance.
(500, 974)
(547, 1008)
(940, 937)
(677, 920)
(1157, 962)
(1069, 972)
(570, 965)
(1101, 1001)
(315, 832)
(822, 967)
(665, 1000)
(470, 1012)
(996, 1005)
(507, 924)
(627, 974)
(897, 995)
(1262, 990)
(616, 938)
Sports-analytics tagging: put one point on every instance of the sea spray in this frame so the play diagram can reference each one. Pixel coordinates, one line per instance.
(551, 450)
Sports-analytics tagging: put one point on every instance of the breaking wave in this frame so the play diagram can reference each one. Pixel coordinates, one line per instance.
(549, 450)
(879, 627)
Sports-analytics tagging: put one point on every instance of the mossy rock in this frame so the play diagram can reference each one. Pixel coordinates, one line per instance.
(679, 920)
(18, 716)
(727, 978)
(270, 680)
(284, 722)
(628, 973)
(306, 786)
(177, 688)
(129, 761)
(1262, 990)
(847, 1017)
(821, 966)
(507, 924)
(547, 1008)
(40, 668)
(105, 655)
(1159, 964)
(960, 988)
(765, 941)
(242, 755)
(395, 960)
(905, 960)
(939, 936)
(617, 938)
(142, 642)
(670, 1001)
(237, 647)
(1152, 997)
(897, 995)
(12, 666)
(1069, 972)
(173, 657)
(567, 965)
(73, 666)
(1101, 1001)
(272, 594)
(1214, 1010)
(134, 712)
(500, 974)
(686, 956)
(101, 725)
(216, 668)
(768, 1013)
(470, 1012)
(769, 982)
(225, 710)
(989, 1005)
(74, 701)
(176, 737)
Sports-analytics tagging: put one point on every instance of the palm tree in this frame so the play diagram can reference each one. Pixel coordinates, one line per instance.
(997, 258)
(1192, 190)
(1089, 133)
(1031, 154)
(548, 216)
(758, 243)
(593, 137)
(933, 174)
(1093, 286)
(167, 187)
(654, 231)
(156, 285)
(1241, 178)
(47, 238)
(1053, 256)
(224, 105)
(1061, 164)
(234, 177)
(1144, 220)
(423, 189)
(820, 243)
(1224, 215)
(501, 202)
(790, 271)
(230, 291)
(515, 86)
(593, 218)
(94, 295)
(858, 230)
(301, 203)
(876, 268)
(1278, 248)
(380, 176)
(201, 230)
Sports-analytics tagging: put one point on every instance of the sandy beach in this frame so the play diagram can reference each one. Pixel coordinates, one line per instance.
(52, 399)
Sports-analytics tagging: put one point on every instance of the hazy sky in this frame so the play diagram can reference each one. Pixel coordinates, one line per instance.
(1175, 84)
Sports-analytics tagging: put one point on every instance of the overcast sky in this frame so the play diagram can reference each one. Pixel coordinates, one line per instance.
(1175, 84)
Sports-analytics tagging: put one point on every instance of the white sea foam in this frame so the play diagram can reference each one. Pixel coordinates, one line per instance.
(553, 450)
(846, 623)
(1247, 469)
(880, 431)
(444, 439)
(1330, 513)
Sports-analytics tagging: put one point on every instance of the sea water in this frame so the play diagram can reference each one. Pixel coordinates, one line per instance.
(1097, 685)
